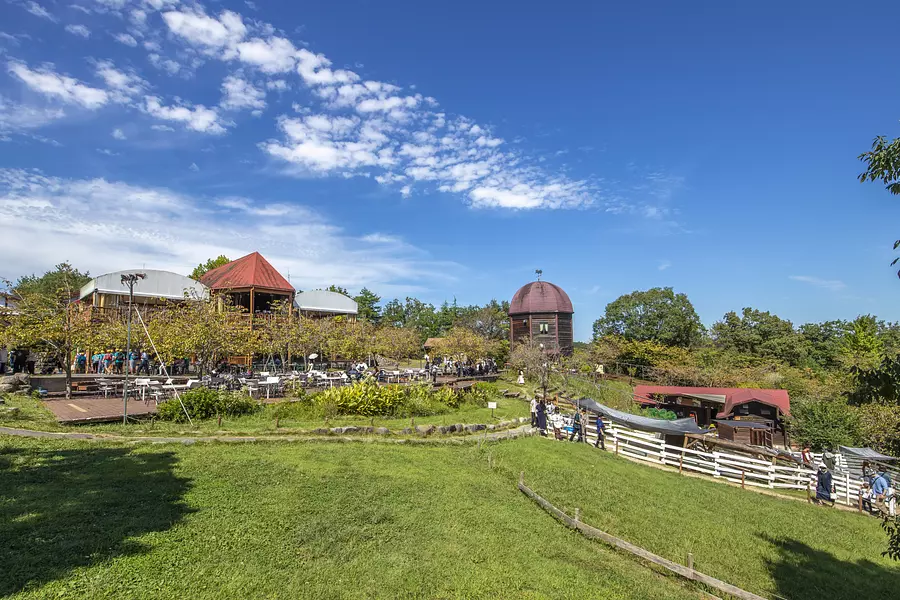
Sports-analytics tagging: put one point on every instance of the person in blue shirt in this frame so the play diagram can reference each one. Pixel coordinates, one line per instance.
(879, 492)
(600, 432)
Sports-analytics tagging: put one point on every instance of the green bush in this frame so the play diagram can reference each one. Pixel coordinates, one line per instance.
(824, 424)
(367, 398)
(659, 413)
(203, 403)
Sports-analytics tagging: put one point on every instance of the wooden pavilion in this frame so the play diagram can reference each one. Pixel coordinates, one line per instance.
(252, 283)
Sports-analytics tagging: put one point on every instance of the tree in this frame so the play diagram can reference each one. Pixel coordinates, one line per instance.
(658, 314)
(883, 163)
(861, 348)
(367, 304)
(213, 263)
(759, 333)
(337, 289)
(824, 424)
(44, 317)
(823, 342)
(531, 358)
(51, 282)
(462, 342)
(490, 321)
(396, 342)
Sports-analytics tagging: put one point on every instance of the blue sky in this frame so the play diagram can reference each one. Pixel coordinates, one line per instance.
(448, 150)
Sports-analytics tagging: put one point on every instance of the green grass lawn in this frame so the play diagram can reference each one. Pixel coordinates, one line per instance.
(33, 415)
(306, 520)
(772, 547)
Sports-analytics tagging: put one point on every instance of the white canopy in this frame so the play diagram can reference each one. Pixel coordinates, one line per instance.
(325, 302)
(156, 284)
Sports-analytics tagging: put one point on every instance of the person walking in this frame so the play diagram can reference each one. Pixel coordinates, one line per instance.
(879, 492)
(600, 434)
(534, 405)
(576, 427)
(824, 486)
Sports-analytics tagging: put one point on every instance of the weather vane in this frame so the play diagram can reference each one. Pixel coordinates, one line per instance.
(538, 272)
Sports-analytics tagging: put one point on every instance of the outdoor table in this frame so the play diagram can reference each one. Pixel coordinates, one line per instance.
(268, 385)
(332, 378)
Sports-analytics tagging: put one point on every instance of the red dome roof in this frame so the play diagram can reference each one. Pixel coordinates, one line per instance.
(540, 297)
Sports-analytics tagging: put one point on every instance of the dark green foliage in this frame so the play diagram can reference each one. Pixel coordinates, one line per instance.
(881, 384)
(824, 424)
(658, 314)
(891, 526)
(883, 163)
(203, 403)
(337, 289)
(367, 305)
(213, 263)
(759, 333)
(64, 278)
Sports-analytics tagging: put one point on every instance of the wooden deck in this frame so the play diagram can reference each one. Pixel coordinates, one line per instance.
(97, 409)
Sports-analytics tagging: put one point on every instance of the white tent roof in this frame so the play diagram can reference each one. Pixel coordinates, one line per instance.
(325, 301)
(156, 284)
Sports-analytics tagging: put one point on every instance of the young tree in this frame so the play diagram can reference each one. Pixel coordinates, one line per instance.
(397, 342)
(213, 263)
(535, 361)
(658, 314)
(463, 343)
(861, 348)
(45, 318)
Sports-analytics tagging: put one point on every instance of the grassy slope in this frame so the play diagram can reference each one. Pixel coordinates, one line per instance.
(287, 521)
(763, 544)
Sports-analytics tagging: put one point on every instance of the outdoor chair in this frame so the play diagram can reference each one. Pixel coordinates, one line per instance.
(106, 387)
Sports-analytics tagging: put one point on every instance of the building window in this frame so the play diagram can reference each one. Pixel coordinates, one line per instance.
(545, 327)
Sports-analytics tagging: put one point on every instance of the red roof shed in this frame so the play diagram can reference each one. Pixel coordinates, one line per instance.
(733, 396)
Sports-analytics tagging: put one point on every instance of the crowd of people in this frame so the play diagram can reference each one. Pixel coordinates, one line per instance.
(461, 368)
(118, 362)
(17, 360)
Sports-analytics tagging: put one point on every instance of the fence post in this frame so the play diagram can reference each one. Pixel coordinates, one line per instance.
(716, 464)
(577, 517)
(521, 477)
(662, 451)
(690, 563)
(847, 482)
(680, 462)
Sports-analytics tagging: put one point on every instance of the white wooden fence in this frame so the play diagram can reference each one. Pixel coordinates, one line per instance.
(736, 468)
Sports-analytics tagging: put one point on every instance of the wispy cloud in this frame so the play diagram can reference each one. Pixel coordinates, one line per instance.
(663, 265)
(174, 231)
(833, 285)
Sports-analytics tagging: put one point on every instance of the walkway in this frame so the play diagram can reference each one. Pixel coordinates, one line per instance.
(96, 409)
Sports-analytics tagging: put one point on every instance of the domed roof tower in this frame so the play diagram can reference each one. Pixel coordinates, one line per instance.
(542, 312)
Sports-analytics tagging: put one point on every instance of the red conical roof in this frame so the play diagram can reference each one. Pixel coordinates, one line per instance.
(540, 297)
(251, 271)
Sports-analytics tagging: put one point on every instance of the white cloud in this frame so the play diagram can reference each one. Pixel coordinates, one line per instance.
(315, 70)
(15, 117)
(663, 265)
(79, 30)
(122, 86)
(39, 11)
(107, 152)
(162, 128)
(273, 55)
(127, 39)
(198, 118)
(832, 285)
(239, 93)
(118, 134)
(279, 85)
(165, 64)
(194, 167)
(44, 222)
(58, 86)
(209, 32)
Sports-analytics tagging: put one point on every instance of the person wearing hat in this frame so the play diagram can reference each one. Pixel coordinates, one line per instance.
(824, 485)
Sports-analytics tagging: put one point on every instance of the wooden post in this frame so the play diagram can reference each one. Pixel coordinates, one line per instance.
(859, 502)
(521, 477)
(690, 562)
(680, 463)
(847, 483)
(220, 420)
(617, 445)
(277, 419)
(577, 517)
(808, 497)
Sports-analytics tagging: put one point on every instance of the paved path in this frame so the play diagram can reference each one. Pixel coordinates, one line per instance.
(523, 431)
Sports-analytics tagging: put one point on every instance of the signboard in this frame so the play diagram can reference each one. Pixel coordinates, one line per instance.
(492, 405)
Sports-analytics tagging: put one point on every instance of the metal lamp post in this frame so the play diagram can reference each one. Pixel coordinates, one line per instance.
(129, 280)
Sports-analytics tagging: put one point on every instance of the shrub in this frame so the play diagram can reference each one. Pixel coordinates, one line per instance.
(659, 413)
(824, 424)
(203, 403)
(880, 427)
(367, 398)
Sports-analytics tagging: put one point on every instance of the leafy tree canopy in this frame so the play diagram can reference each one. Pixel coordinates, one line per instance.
(63, 277)
(759, 333)
(658, 314)
(213, 263)
(337, 289)
(883, 164)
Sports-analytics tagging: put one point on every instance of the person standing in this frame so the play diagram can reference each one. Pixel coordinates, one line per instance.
(824, 485)
(4, 357)
(542, 417)
(521, 379)
(145, 363)
(806, 456)
(576, 427)
(600, 434)
(534, 405)
(30, 362)
(879, 492)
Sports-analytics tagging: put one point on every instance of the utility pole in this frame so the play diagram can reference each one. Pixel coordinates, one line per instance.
(129, 280)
